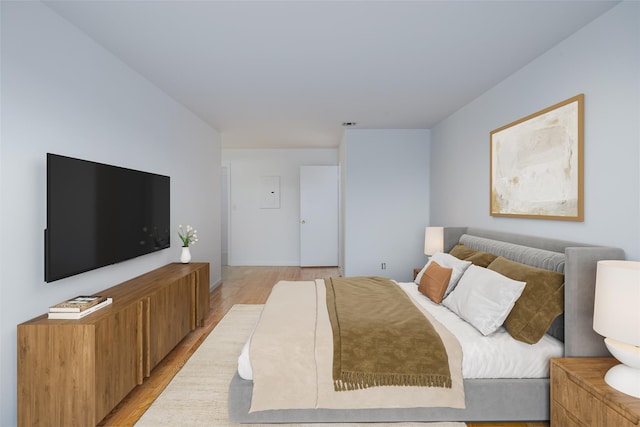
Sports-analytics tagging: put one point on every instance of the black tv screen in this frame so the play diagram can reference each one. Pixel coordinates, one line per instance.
(99, 214)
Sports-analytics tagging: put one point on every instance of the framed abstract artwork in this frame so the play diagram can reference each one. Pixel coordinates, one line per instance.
(537, 164)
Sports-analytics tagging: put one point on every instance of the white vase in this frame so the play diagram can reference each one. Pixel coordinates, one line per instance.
(185, 256)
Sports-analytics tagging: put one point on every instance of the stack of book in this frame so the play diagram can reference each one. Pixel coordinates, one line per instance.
(78, 307)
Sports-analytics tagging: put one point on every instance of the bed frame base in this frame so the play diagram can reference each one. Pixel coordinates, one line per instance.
(486, 400)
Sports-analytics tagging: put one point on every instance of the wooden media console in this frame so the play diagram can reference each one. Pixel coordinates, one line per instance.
(74, 372)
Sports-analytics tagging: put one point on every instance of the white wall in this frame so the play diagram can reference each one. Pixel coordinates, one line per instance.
(64, 94)
(385, 201)
(267, 236)
(602, 61)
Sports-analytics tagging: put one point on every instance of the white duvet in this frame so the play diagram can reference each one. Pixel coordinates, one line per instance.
(495, 356)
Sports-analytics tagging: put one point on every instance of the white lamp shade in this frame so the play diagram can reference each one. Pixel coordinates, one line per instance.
(433, 240)
(616, 312)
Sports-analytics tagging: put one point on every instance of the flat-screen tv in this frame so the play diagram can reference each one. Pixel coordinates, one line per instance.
(99, 214)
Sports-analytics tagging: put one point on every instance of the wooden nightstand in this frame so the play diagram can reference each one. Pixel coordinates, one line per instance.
(580, 397)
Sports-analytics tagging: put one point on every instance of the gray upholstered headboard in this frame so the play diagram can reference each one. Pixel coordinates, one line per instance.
(577, 260)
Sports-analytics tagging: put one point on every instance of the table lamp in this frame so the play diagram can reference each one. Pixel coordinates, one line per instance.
(616, 316)
(433, 240)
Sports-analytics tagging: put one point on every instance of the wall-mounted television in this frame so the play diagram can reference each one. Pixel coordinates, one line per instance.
(99, 214)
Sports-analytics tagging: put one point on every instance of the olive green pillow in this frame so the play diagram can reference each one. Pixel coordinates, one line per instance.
(461, 251)
(479, 258)
(540, 303)
(482, 259)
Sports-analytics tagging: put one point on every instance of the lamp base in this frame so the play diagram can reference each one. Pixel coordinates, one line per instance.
(625, 379)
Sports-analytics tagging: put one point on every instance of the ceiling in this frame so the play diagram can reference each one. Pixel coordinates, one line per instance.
(286, 74)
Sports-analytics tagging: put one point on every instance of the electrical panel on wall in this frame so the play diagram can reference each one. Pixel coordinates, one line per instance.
(270, 192)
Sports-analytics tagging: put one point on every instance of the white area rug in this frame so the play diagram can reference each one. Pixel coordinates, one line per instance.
(197, 395)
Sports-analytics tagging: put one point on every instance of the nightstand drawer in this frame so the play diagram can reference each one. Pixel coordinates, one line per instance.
(561, 418)
(575, 406)
(573, 398)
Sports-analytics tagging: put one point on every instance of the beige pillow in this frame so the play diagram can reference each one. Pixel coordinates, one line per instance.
(540, 303)
(479, 258)
(434, 281)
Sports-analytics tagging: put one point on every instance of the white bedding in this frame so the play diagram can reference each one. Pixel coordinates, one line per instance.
(495, 356)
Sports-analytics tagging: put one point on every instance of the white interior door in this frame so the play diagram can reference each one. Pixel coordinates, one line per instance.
(318, 216)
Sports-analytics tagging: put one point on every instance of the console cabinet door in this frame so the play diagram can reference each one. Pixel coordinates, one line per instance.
(118, 350)
(170, 318)
(201, 283)
(56, 382)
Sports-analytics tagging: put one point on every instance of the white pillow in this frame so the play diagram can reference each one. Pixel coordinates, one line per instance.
(448, 261)
(484, 298)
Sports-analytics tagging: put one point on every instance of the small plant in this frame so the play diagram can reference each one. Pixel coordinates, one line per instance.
(189, 235)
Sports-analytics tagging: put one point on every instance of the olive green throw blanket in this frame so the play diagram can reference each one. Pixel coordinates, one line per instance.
(381, 338)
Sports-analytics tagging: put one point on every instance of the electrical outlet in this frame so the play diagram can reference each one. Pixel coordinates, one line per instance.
(383, 266)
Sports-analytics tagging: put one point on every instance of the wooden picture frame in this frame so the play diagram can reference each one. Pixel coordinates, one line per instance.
(537, 164)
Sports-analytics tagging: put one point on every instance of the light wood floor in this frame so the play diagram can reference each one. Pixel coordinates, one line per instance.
(240, 285)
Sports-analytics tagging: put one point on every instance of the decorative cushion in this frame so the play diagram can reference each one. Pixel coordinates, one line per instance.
(448, 261)
(462, 251)
(482, 259)
(479, 258)
(541, 302)
(434, 281)
(484, 298)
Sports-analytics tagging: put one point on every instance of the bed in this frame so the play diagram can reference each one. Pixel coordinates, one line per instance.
(485, 399)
